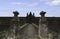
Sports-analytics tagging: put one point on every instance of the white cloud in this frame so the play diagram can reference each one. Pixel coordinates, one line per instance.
(54, 3)
(32, 4)
(25, 4)
(44, 0)
(17, 3)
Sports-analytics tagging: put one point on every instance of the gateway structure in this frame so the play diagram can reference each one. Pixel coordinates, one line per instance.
(29, 27)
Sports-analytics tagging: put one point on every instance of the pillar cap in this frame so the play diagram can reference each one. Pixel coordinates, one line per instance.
(16, 13)
(42, 13)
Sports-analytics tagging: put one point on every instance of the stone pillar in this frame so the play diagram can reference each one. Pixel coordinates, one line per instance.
(42, 19)
(13, 30)
(43, 26)
(16, 19)
(16, 23)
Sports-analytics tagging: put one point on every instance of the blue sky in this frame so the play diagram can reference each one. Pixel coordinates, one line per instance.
(52, 7)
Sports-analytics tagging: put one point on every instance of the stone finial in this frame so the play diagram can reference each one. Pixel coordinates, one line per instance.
(30, 13)
(16, 13)
(42, 13)
(33, 14)
(27, 14)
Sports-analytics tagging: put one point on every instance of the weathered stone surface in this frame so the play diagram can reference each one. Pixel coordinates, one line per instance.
(29, 27)
(29, 32)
